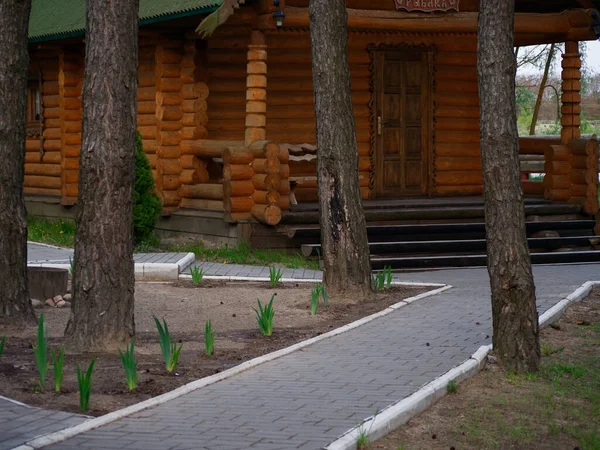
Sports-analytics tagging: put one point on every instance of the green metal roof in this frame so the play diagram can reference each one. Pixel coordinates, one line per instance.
(59, 19)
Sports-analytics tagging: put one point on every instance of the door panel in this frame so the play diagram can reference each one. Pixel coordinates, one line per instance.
(403, 109)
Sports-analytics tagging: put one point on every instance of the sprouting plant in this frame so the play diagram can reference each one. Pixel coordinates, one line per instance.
(378, 281)
(41, 352)
(85, 385)
(209, 339)
(452, 387)
(387, 270)
(362, 440)
(275, 276)
(2, 342)
(130, 365)
(264, 317)
(58, 360)
(314, 302)
(71, 266)
(167, 345)
(320, 288)
(197, 275)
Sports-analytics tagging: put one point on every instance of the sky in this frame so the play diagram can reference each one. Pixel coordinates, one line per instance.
(592, 60)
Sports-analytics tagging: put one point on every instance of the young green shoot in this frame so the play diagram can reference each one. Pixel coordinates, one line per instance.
(58, 360)
(264, 317)
(85, 385)
(167, 345)
(71, 266)
(314, 301)
(209, 339)
(378, 281)
(387, 270)
(452, 387)
(130, 365)
(2, 342)
(362, 440)
(322, 292)
(197, 275)
(41, 352)
(275, 276)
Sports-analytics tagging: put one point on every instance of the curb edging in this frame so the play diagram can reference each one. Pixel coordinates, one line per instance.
(88, 425)
(401, 412)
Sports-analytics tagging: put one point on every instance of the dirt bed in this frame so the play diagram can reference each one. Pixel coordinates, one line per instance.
(556, 408)
(185, 308)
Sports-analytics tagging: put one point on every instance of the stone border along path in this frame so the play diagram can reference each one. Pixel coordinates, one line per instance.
(310, 397)
(148, 266)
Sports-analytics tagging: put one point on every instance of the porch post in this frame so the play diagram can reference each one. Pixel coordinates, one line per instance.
(571, 98)
(256, 89)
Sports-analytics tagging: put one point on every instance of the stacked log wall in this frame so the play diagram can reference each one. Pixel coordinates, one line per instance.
(43, 154)
(290, 105)
(146, 99)
(169, 113)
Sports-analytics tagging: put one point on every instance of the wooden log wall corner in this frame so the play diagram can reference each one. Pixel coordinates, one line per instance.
(256, 89)
(571, 97)
(584, 174)
(169, 112)
(43, 169)
(197, 190)
(70, 83)
(146, 100)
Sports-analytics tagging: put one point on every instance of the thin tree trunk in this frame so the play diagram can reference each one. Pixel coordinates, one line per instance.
(15, 305)
(538, 102)
(103, 282)
(346, 264)
(515, 318)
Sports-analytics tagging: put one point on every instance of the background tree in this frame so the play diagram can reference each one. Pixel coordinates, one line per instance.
(103, 282)
(514, 313)
(346, 264)
(15, 305)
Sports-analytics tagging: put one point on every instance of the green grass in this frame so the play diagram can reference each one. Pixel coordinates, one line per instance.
(264, 317)
(54, 232)
(452, 387)
(241, 254)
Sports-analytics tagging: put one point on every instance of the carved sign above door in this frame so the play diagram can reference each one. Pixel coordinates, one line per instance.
(427, 5)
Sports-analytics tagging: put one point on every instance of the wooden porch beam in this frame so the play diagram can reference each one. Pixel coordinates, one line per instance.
(547, 27)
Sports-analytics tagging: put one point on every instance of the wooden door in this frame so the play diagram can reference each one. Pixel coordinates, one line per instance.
(403, 108)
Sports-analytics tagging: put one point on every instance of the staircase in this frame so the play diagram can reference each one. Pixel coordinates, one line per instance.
(453, 235)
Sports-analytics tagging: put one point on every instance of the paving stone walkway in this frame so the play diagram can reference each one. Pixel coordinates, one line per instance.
(20, 423)
(307, 399)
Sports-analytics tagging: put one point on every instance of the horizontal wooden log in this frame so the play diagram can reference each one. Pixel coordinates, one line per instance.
(267, 214)
(238, 188)
(266, 165)
(191, 162)
(236, 172)
(49, 170)
(42, 181)
(449, 191)
(207, 148)
(238, 204)
(266, 182)
(533, 187)
(41, 191)
(202, 204)
(266, 197)
(48, 158)
(206, 191)
(459, 178)
(237, 156)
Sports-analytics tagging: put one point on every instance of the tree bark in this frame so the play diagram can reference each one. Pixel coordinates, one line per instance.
(346, 264)
(15, 305)
(515, 318)
(538, 102)
(103, 282)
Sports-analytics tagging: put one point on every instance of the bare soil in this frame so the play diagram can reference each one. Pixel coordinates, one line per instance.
(185, 308)
(557, 408)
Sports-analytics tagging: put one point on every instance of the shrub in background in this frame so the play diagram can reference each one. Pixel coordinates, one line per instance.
(146, 204)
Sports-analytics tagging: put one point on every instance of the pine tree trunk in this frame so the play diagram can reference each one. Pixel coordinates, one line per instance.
(343, 227)
(515, 318)
(540, 97)
(103, 282)
(15, 305)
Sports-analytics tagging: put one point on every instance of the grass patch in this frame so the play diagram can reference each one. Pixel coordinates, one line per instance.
(54, 232)
(555, 408)
(240, 254)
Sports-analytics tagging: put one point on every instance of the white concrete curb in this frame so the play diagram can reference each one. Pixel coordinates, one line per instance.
(48, 245)
(91, 424)
(401, 412)
(143, 271)
(298, 280)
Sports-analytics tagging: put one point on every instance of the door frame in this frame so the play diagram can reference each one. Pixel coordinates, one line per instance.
(376, 53)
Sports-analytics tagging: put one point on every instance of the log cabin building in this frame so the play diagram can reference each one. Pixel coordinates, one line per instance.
(228, 122)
